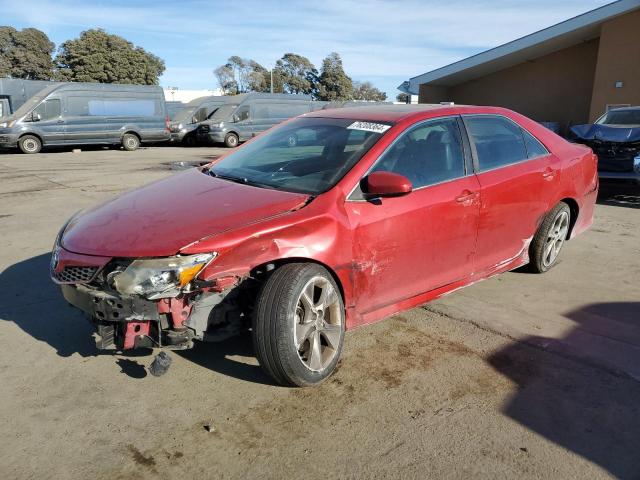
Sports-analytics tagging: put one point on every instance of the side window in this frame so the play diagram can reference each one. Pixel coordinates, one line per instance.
(78, 106)
(534, 147)
(48, 109)
(242, 114)
(427, 154)
(498, 141)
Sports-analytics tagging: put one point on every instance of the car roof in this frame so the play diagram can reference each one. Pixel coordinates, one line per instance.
(397, 113)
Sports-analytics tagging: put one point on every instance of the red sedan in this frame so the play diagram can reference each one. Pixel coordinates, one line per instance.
(332, 220)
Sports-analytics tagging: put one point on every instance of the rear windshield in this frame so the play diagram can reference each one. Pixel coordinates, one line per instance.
(307, 155)
(620, 117)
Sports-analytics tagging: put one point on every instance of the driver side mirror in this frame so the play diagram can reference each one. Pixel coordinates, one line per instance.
(34, 117)
(385, 184)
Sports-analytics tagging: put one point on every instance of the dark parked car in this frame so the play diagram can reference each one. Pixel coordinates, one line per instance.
(375, 210)
(184, 124)
(615, 138)
(87, 114)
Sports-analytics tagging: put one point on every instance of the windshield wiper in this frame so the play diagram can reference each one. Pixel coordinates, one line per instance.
(241, 180)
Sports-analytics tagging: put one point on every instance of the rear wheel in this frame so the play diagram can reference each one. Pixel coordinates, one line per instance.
(29, 144)
(130, 142)
(549, 239)
(298, 325)
(231, 140)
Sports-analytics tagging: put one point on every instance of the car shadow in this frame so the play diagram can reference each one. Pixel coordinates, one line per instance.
(619, 194)
(578, 403)
(34, 303)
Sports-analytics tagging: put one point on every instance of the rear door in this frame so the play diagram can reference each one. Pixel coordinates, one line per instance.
(421, 241)
(518, 180)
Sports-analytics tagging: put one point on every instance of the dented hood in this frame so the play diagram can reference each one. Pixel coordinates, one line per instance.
(161, 218)
(606, 133)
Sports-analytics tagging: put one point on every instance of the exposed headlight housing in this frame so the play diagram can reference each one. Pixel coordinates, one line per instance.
(155, 278)
(7, 124)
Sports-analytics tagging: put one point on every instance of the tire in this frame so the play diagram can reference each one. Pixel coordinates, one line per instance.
(190, 141)
(287, 325)
(231, 140)
(30, 144)
(130, 142)
(549, 239)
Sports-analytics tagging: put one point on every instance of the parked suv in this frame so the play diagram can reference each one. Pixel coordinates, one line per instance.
(375, 210)
(87, 114)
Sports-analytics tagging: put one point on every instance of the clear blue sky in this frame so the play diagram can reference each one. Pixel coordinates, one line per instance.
(384, 41)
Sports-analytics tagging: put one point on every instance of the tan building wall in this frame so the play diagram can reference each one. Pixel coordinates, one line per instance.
(618, 60)
(554, 88)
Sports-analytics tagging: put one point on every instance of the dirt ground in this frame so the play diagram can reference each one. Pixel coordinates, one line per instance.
(520, 376)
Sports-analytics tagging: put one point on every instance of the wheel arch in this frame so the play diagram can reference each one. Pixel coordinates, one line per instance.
(31, 134)
(574, 209)
(132, 132)
(284, 261)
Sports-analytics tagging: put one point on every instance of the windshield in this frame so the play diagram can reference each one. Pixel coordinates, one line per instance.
(620, 117)
(222, 113)
(184, 114)
(306, 155)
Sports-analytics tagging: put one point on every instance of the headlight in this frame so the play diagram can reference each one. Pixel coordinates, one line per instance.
(7, 124)
(160, 277)
(220, 125)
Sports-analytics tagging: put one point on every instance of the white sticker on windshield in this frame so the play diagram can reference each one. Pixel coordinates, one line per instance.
(369, 127)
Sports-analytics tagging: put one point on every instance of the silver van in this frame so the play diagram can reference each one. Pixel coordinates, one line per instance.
(246, 115)
(87, 114)
(184, 124)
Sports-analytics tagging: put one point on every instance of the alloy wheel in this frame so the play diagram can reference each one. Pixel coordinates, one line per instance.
(555, 238)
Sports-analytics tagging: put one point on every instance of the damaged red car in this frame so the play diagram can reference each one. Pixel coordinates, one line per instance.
(332, 220)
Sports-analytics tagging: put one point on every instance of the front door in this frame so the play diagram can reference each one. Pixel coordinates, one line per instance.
(49, 122)
(242, 123)
(408, 245)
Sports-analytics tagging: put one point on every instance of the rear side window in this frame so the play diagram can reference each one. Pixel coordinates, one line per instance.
(534, 147)
(427, 154)
(88, 106)
(498, 141)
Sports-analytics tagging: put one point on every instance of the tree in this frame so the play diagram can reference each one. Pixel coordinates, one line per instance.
(334, 83)
(25, 54)
(367, 92)
(402, 97)
(226, 79)
(97, 56)
(297, 74)
(241, 75)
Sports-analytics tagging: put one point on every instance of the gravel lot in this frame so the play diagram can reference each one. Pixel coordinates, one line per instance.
(520, 376)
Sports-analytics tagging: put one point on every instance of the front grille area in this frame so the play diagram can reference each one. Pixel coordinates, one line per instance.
(204, 128)
(76, 274)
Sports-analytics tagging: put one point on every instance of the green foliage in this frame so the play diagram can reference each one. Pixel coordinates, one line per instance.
(97, 56)
(241, 75)
(297, 74)
(25, 54)
(367, 92)
(402, 97)
(334, 84)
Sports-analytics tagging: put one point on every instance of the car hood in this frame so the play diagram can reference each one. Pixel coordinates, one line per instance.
(606, 133)
(161, 218)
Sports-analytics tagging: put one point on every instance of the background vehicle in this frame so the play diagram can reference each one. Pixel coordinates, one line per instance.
(615, 138)
(184, 124)
(377, 210)
(87, 114)
(14, 92)
(246, 115)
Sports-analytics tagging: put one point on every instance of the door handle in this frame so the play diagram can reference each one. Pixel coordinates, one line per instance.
(60, 121)
(548, 174)
(466, 196)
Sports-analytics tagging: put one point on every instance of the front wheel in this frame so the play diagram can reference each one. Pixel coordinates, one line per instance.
(549, 239)
(231, 140)
(30, 144)
(298, 325)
